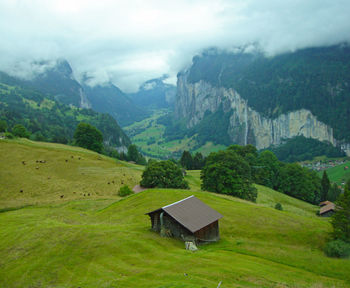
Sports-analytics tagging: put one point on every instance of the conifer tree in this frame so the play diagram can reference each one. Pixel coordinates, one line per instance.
(325, 185)
(341, 217)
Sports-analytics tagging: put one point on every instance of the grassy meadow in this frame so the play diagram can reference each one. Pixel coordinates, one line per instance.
(148, 135)
(67, 173)
(104, 241)
(338, 174)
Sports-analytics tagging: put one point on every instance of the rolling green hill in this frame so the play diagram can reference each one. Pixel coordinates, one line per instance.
(102, 241)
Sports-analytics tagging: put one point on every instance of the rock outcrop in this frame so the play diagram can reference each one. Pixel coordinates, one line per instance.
(247, 126)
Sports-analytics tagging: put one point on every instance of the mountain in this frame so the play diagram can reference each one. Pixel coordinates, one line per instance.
(50, 120)
(263, 100)
(155, 94)
(56, 79)
(110, 99)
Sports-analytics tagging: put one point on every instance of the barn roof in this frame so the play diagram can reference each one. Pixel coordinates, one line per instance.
(191, 213)
(324, 203)
(329, 207)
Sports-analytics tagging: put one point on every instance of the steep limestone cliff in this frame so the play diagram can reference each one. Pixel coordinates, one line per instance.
(247, 126)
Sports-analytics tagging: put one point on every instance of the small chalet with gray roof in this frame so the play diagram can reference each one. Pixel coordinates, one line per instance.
(188, 219)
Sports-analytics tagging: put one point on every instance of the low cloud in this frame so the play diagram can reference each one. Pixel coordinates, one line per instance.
(129, 42)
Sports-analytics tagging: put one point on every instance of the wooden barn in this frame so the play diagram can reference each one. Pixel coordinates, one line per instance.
(327, 209)
(188, 219)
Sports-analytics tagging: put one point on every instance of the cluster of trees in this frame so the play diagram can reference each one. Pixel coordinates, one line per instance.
(300, 149)
(133, 155)
(17, 130)
(234, 170)
(190, 162)
(229, 172)
(45, 119)
(329, 191)
(89, 137)
(339, 246)
(163, 174)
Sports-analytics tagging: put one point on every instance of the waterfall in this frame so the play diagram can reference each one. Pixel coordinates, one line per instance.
(246, 123)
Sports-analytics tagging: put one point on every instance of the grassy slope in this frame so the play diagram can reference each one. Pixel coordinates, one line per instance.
(338, 174)
(46, 182)
(102, 242)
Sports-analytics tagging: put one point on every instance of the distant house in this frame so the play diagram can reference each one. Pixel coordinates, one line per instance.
(328, 209)
(188, 219)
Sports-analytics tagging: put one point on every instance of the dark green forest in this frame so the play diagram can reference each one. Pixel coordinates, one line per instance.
(234, 170)
(300, 149)
(317, 79)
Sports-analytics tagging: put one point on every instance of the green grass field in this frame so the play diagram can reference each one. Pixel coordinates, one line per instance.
(148, 135)
(105, 241)
(338, 174)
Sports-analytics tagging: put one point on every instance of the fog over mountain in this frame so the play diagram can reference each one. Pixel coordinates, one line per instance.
(129, 42)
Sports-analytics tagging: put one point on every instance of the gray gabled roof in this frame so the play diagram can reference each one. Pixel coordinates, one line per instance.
(191, 213)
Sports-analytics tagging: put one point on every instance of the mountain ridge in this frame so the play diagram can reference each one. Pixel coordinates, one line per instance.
(201, 89)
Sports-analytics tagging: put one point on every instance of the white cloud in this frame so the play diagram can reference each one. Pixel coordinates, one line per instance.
(129, 42)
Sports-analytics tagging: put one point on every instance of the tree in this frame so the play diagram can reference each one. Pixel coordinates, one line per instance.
(89, 137)
(227, 172)
(134, 155)
(20, 131)
(163, 174)
(186, 160)
(333, 192)
(198, 161)
(267, 169)
(299, 182)
(3, 126)
(341, 217)
(325, 185)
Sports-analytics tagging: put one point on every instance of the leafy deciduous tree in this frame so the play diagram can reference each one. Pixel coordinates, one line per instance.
(20, 131)
(89, 137)
(163, 174)
(227, 172)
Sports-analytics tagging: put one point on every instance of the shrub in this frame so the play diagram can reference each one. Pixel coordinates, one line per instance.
(20, 131)
(279, 206)
(125, 191)
(337, 248)
(9, 135)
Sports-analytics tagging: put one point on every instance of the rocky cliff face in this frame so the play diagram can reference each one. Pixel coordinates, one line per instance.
(247, 126)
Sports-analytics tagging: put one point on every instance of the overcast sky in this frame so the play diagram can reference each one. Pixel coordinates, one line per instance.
(128, 42)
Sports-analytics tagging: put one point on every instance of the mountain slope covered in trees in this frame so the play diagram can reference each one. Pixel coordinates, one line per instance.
(316, 79)
(110, 99)
(49, 120)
